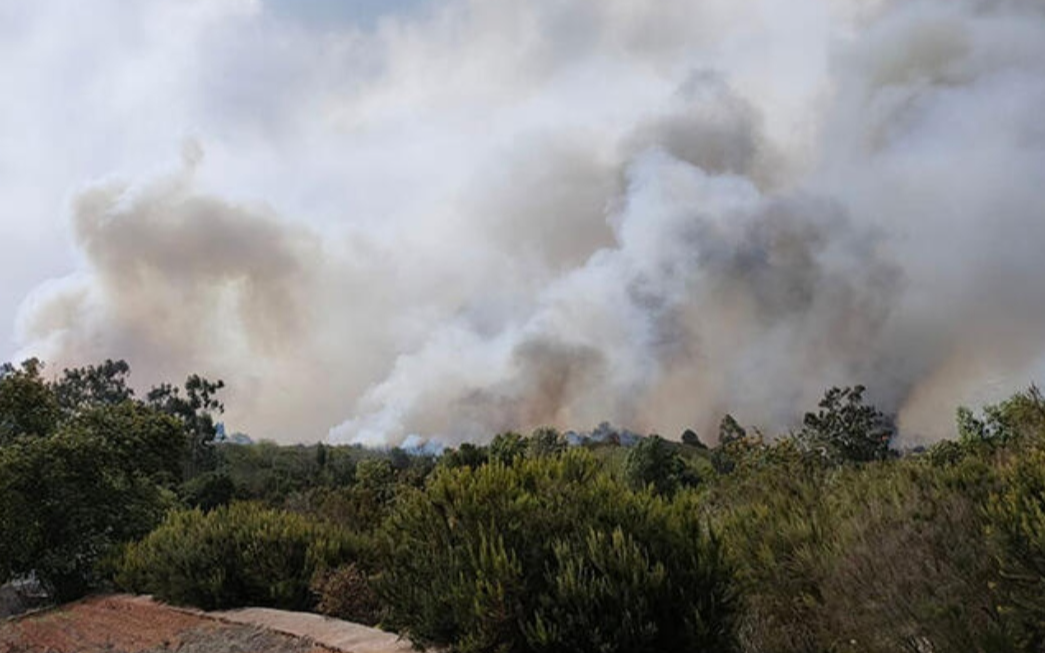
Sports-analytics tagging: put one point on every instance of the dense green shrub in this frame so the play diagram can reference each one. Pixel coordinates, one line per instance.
(506, 447)
(520, 557)
(242, 554)
(655, 463)
(207, 491)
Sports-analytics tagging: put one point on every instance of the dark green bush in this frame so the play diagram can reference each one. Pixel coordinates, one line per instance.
(520, 557)
(655, 463)
(207, 491)
(236, 555)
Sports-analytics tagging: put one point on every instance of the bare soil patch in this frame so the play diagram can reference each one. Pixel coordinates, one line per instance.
(134, 624)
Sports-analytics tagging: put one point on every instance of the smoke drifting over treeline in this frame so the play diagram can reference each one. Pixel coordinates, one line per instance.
(560, 213)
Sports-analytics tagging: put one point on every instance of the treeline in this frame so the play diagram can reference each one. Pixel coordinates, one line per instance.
(823, 539)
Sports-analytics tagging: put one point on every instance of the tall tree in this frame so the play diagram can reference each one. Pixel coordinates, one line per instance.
(27, 405)
(654, 462)
(93, 385)
(196, 409)
(846, 429)
(66, 501)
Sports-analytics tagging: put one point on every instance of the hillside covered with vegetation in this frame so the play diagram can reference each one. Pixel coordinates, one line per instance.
(820, 539)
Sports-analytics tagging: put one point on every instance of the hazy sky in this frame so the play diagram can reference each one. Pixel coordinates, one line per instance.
(109, 89)
(386, 218)
(336, 14)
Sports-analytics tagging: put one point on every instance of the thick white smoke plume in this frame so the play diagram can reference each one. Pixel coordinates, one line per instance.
(496, 215)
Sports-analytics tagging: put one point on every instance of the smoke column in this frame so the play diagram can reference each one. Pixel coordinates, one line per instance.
(560, 213)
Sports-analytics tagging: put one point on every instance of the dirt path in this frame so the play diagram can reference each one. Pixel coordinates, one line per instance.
(137, 624)
(341, 635)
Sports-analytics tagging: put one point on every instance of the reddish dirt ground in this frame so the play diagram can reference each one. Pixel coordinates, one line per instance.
(132, 624)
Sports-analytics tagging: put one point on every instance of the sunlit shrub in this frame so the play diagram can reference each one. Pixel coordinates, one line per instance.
(237, 555)
(551, 554)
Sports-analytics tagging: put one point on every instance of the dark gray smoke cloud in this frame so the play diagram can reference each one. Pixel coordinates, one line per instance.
(603, 211)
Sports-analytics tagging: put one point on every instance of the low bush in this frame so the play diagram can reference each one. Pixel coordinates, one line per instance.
(236, 555)
(887, 556)
(551, 554)
(345, 593)
(1017, 529)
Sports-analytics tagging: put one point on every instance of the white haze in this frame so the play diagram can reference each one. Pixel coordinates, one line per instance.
(486, 215)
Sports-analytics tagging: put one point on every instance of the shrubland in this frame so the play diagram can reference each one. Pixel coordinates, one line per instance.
(552, 554)
(821, 539)
(243, 554)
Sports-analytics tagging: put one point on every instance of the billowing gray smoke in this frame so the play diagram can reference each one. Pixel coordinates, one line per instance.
(647, 213)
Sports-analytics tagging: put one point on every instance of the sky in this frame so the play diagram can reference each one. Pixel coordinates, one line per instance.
(382, 221)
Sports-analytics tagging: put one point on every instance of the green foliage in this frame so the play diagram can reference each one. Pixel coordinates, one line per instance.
(909, 536)
(466, 455)
(208, 491)
(883, 557)
(151, 444)
(496, 559)
(354, 507)
(507, 447)
(690, 438)
(236, 555)
(776, 540)
(732, 443)
(66, 501)
(195, 409)
(1017, 527)
(529, 545)
(545, 441)
(92, 386)
(84, 467)
(270, 473)
(376, 475)
(653, 462)
(1019, 416)
(301, 477)
(604, 573)
(845, 429)
(27, 405)
(729, 430)
(348, 485)
(946, 452)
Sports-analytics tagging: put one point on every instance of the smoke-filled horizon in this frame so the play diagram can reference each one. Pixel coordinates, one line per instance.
(473, 216)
